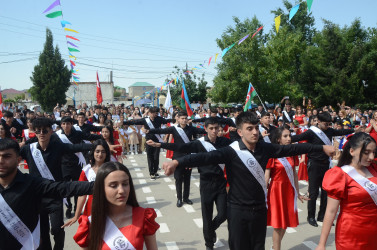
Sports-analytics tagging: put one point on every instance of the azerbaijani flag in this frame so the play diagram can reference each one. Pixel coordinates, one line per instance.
(251, 93)
(185, 103)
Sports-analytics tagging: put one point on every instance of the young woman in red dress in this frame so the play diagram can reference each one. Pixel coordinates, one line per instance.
(108, 136)
(117, 220)
(26, 135)
(99, 155)
(282, 189)
(352, 186)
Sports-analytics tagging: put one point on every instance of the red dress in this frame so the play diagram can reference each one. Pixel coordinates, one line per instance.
(373, 132)
(300, 119)
(281, 195)
(169, 153)
(303, 167)
(31, 135)
(88, 205)
(143, 224)
(356, 226)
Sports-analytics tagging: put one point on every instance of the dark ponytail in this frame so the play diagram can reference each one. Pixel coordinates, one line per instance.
(358, 140)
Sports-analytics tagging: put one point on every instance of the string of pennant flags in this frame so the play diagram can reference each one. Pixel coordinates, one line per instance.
(277, 20)
(70, 39)
(73, 48)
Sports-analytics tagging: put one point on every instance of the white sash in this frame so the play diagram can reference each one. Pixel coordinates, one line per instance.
(265, 138)
(368, 186)
(289, 170)
(150, 124)
(209, 147)
(64, 139)
(112, 158)
(77, 128)
(89, 173)
(40, 162)
(252, 165)
(26, 134)
(114, 238)
(321, 136)
(182, 134)
(287, 116)
(234, 120)
(17, 228)
(20, 121)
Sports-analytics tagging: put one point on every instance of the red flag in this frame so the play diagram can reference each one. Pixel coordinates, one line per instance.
(99, 93)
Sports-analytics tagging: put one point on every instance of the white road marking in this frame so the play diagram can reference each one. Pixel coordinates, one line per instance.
(132, 161)
(193, 178)
(131, 157)
(172, 187)
(164, 228)
(318, 202)
(303, 183)
(135, 164)
(299, 210)
(171, 245)
(199, 222)
(189, 208)
(291, 230)
(197, 184)
(167, 179)
(137, 169)
(140, 175)
(320, 223)
(142, 181)
(158, 212)
(151, 200)
(147, 190)
(310, 244)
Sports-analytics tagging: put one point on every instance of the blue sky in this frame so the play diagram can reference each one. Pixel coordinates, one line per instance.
(141, 40)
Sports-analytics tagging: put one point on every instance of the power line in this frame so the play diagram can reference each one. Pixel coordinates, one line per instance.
(120, 41)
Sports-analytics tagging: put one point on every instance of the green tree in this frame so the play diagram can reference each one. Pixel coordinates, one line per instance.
(242, 64)
(51, 78)
(196, 87)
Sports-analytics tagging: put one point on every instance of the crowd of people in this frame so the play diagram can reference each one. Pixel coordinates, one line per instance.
(259, 150)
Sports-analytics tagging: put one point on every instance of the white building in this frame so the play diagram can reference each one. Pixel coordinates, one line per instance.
(87, 92)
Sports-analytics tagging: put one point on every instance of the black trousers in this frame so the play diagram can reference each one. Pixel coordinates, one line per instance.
(56, 219)
(182, 176)
(212, 191)
(316, 172)
(247, 227)
(73, 176)
(153, 156)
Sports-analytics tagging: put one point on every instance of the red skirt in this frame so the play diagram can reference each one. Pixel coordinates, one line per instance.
(303, 170)
(169, 153)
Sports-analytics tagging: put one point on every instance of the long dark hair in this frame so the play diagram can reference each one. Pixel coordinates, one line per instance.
(103, 143)
(358, 140)
(277, 133)
(100, 204)
(111, 136)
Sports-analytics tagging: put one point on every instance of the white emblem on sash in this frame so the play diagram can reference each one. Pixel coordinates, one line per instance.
(182, 134)
(77, 127)
(289, 170)
(64, 139)
(209, 147)
(366, 184)
(40, 162)
(89, 173)
(265, 138)
(114, 238)
(150, 124)
(26, 134)
(252, 165)
(17, 228)
(287, 116)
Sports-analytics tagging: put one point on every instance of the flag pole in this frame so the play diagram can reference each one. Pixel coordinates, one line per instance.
(261, 102)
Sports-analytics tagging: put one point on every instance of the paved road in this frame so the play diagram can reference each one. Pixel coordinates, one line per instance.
(181, 228)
